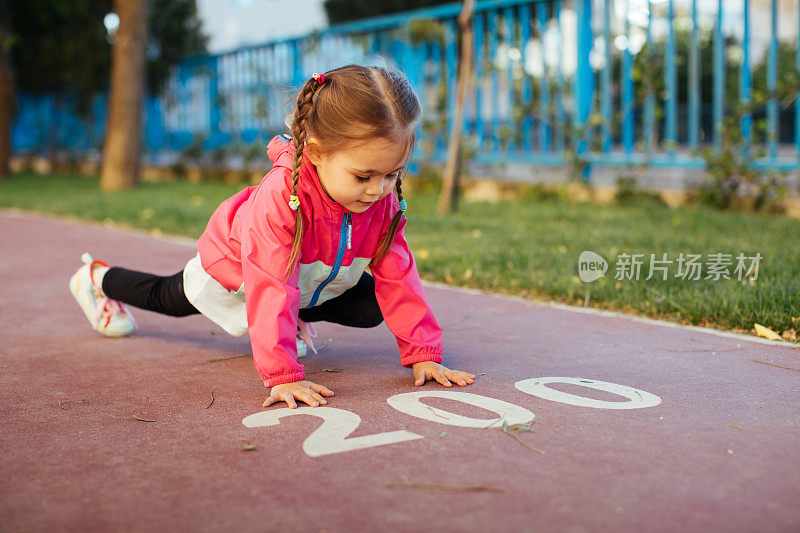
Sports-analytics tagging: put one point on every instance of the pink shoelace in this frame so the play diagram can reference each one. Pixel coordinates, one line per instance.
(305, 331)
(105, 305)
(108, 308)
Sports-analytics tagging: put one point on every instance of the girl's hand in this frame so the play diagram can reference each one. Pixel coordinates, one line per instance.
(305, 391)
(425, 370)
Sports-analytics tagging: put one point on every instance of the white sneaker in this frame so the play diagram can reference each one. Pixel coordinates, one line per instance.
(302, 348)
(107, 316)
(305, 332)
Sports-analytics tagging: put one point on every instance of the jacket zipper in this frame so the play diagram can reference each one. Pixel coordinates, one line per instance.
(345, 239)
(349, 230)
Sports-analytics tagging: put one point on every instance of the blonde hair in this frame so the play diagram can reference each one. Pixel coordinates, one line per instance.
(354, 103)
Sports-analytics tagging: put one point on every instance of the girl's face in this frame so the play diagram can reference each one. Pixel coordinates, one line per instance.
(358, 176)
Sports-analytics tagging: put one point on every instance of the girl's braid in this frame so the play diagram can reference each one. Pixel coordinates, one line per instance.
(304, 106)
(398, 189)
(304, 101)
(386, 242)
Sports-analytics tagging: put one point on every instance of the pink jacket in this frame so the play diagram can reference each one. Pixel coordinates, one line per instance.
(247, 243)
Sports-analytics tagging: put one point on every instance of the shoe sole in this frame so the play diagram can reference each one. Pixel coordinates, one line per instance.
(73, 288)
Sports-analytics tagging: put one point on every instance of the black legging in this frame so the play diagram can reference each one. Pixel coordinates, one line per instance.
(357, 307)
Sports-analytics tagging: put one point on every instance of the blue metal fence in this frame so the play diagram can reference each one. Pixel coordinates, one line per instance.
(593, 81)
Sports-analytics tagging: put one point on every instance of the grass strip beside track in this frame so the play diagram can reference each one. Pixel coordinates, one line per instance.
(527, 247)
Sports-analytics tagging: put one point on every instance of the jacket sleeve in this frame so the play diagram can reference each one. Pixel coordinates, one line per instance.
(272, 304)
(405, 306)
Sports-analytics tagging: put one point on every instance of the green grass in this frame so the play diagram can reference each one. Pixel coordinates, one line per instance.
(527, 247)
(177, 207)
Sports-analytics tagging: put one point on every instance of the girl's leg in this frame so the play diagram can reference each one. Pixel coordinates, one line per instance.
(356, 307)
(162, 294)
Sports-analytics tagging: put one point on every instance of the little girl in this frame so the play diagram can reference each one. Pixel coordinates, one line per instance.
(294, 249)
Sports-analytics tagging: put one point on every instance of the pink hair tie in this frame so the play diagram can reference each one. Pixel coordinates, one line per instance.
(320, 78)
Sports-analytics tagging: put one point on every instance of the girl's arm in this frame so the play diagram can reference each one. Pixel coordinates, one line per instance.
(271, 303)
(404, 305)
(408, 314)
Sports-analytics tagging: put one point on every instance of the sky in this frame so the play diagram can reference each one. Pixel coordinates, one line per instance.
(232, 23)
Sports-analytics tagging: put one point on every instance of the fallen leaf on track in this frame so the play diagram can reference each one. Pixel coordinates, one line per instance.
(767, 333)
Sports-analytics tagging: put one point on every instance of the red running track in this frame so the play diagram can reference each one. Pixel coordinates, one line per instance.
(719, 451)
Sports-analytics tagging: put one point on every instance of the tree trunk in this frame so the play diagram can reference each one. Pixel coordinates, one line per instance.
(448, 201)
(8, 98)
(123, 141)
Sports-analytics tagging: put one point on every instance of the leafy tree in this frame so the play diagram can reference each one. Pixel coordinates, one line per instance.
(345, 10)
(175, 32)
(61, 46)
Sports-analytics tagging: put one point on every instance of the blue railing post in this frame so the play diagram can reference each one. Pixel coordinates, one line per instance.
(606, 79)
(544, 90)
(694, 83)
(412, 67)
(508, 41)
(183, 134)
(719, 77)
(480, 129)
(153, 131)
(214, 114)
(298, 76)
(495, 96)
(627, 88)
(650, 100)
(669, 134)
(374, 47)
(524, 36)
(451, 74)
(772, 75)
(559, 139)
(583, 85)
(438, 80)
(744, 78)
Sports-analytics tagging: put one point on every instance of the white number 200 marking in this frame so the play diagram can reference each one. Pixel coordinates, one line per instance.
(331, 436)
(408, 403)
(636, 399)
